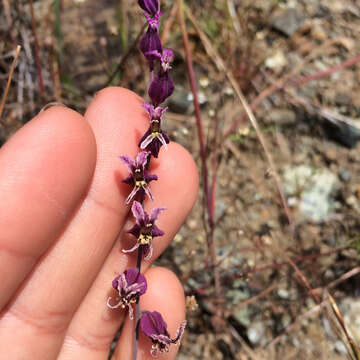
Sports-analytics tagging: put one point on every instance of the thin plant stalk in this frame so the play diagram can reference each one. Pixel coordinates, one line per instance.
(208, 200)
(222, 67)
(37, 52)
(137, 308)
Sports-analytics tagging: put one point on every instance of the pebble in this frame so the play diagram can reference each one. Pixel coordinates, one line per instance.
(345, 175)
(287, 21)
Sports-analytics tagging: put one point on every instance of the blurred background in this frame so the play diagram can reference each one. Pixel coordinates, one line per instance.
(269, 257)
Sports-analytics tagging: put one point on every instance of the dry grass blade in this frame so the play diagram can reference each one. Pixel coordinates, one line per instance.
(3, 99)
(37, 52)
(222, 67)
(355, 351)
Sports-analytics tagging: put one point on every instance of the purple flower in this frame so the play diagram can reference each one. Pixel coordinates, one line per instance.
(130, 284)
(139, 177)
(150, 6)
(153, 325)
(161, 88)
(166, 58)
(154, 136)
(145, 229)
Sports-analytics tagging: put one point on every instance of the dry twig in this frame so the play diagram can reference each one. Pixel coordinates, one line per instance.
(3, 99)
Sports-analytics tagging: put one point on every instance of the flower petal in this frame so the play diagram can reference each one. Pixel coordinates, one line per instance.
(113, 306)
(115, 282)
(162, 140)
(128, 161)
(160, 323)
(132, 195)
(179, 333)
(162, 339)
(134, 276)
(155, 213)
(149, 323)
(132, 249)
(122, 284)
(148, 192)
(146, 142)
(150, 251)
(142, 158)
(138, 212)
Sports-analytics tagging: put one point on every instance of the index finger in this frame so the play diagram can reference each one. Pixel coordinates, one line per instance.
(45, 170)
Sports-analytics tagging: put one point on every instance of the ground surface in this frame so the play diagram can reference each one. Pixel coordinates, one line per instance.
(311, 125)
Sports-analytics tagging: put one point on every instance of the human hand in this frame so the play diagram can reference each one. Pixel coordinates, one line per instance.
(62, 208)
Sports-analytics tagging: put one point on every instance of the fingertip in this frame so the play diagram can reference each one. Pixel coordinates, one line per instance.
(163, 285)
(178, 166)
(165, 295)
(121, 109)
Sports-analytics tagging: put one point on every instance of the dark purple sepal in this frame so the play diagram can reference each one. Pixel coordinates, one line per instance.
(152, 7)
(161, 88)
(150, 44)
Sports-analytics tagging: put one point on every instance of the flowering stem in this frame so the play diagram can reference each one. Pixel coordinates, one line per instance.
(137, 308)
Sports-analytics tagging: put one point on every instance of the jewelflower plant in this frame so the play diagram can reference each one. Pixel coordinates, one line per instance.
(131, 284)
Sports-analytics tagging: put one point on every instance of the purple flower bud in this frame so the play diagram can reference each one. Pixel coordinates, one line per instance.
(139, 178)
(152, 7)
(150, 45)
(131, 284)
(145, 229)
(154, 137)
(161, 88)
(153, 325)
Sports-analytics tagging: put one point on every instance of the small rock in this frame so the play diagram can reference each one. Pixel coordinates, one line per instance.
(282, 116)
(242, 316)
(283, 294)
(287, 21)
(277, 61)
(340, 348)
(180, 102)
(201, 97)
(315, 188)
(319, 33)
(204, 82)
(343, 99)
(256, 332)
(345, 175)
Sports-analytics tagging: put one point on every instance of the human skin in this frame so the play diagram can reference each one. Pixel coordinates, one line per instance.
(63, 222)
